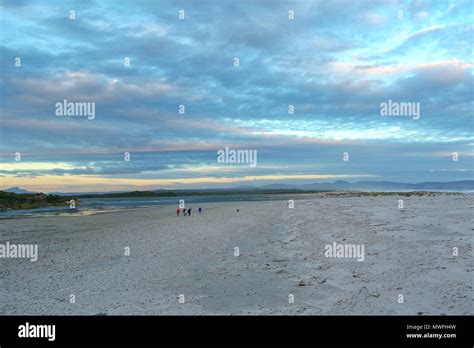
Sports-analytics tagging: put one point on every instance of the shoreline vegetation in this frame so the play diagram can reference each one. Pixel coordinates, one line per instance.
(10, 200)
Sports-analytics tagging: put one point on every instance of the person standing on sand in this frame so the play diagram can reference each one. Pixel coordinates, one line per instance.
(189, 211)
(177, 212)
(199, 210)
(184, 212)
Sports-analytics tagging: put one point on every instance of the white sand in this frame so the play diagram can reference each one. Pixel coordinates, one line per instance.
(407, 252)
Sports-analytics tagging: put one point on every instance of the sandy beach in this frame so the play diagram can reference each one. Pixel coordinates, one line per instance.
(281, 252)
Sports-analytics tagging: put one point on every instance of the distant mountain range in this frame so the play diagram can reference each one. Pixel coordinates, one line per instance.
(464, 185)
(17, 190)
(378, 186)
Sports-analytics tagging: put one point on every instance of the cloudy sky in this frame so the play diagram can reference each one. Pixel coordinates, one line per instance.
(334, 61)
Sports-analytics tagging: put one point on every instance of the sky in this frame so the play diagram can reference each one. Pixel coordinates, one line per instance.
(174, 82)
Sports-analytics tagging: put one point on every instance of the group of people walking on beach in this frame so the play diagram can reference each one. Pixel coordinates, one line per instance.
(186, 212)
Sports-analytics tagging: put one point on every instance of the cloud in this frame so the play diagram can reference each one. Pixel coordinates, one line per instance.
(335, 62)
